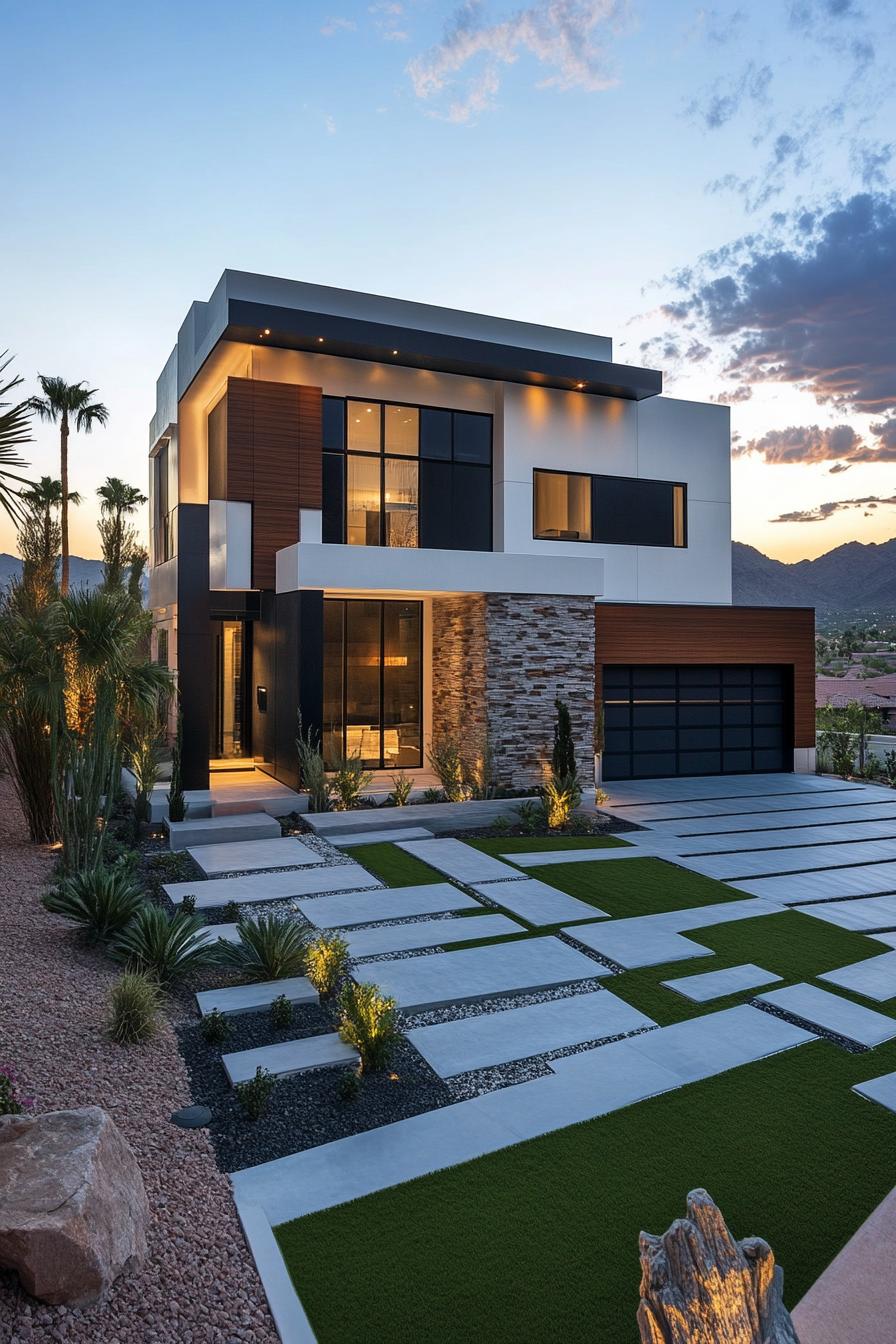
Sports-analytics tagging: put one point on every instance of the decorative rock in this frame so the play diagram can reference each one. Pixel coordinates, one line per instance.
(192, 1117)
(73, 1208)
(699, 1284)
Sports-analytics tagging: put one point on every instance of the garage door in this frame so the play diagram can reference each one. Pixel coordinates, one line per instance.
(696, 720)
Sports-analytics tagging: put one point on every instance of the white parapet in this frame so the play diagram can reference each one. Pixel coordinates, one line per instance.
(405, 570)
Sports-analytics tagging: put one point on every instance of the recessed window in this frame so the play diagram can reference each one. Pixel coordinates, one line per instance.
(562, 506)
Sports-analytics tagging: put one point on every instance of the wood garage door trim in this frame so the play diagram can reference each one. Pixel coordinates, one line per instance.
(655, 633)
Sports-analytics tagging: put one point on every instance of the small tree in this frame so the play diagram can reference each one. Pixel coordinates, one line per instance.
(118, 538)
(563, 757)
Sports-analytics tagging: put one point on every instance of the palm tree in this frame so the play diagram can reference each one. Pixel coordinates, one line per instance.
(42, 500)
(119, 540)
(15, 431)
(64, 403)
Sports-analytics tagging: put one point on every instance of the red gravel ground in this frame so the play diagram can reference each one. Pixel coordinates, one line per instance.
(198, 1284)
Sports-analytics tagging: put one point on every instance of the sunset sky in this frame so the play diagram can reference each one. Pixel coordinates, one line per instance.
(712, 186)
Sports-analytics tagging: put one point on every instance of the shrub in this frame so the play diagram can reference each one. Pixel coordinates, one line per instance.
(103, 901)
(134, 1003)
(188, 903)
(326, 962)
(402, 785)
(12, 1102)
(447, 760)
(349, 1085)
(269, 948)
(871, 767)
(560, 797)
(348, 782)
(281, 1013)
(164, 946)
(119, 857)
(601, 797)
(215, 1027)
(255, 1094)
(479, 775)
(177, 804)
(500, 826)
(531, 817)
(368, 1020)
(434, 796)
(231, 912)
(890, 768)
(312, 772)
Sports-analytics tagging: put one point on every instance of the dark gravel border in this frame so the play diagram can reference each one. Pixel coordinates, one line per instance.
(305, 1109)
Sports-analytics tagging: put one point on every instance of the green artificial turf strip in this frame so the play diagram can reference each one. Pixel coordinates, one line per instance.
(790, 944)
(394, 866)
(540, 1242)
(645, 886)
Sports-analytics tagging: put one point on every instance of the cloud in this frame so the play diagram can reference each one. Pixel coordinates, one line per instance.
(731, 397)
(725, 97)
(808, 303)
(567, 37)
(823, 511)
(388, 16)
(335, 25)
(802, 443)
(869, 162)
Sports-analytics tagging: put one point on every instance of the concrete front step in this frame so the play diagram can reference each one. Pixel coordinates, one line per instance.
(436, 817)
(196, 831)
(286, 1057)
(381, 834)
(255, 998)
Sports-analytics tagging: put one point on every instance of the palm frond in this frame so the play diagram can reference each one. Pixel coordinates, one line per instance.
(15, 432)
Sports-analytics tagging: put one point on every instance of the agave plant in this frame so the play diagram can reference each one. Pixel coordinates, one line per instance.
(103, 901)
(166, 946)
(269, 948)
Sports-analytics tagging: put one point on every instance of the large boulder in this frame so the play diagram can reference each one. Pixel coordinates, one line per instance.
(700, 1286)
(73, 1208)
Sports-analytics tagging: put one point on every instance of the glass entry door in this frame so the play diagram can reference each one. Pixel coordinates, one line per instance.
(229, 722)
(373, 669)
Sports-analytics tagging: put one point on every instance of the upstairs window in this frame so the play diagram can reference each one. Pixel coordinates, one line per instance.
(406, 476)
(562, 506)
(619, 510)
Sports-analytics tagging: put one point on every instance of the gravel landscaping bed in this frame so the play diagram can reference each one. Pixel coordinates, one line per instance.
(306, 1108)
(198, 1285)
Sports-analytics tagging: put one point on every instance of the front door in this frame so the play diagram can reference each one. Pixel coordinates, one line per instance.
(373, 674)
(230, 735)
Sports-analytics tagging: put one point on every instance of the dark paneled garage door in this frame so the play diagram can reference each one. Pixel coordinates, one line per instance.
(696, 720)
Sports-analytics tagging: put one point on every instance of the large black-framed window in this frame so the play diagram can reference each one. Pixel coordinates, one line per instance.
(696, 719)
(373, 682)
(615, 510)
(396, 474)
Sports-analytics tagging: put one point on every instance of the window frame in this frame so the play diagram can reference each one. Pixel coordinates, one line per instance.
(595, 540)
(345, 452)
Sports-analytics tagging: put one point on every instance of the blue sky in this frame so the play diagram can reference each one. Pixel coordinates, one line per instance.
(711, 186)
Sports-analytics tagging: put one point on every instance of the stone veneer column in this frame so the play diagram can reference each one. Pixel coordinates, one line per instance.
(538, 648)
(458, 670)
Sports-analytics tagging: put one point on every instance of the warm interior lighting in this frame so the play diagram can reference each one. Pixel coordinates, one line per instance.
(267, 331)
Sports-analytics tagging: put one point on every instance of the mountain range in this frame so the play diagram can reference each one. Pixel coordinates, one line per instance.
(854, 577)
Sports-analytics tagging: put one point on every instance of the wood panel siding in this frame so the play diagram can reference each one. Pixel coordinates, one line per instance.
(274, 462)
(648, 633)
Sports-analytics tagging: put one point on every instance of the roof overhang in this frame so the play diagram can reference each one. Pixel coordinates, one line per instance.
(381, 343)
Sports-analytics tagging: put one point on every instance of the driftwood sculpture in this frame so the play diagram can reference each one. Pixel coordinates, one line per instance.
(700, 1286)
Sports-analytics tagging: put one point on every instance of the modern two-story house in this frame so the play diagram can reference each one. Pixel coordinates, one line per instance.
(405, 523)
